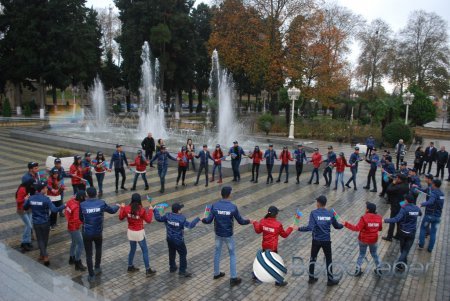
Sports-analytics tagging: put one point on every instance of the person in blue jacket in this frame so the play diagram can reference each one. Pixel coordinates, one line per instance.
(370, 143)
(175, 224)
(353, 161)
(300, 157)
(31, 176)
(40, 205)
(270, 155)
(223, 214)
(204, 156)
(433, 211)
(86, 164)
(118, 162)
(328, 171)
(236, 152)
(91, 214)
(163, 157)
(387, 173)
(373, 161)
(407, 220)
(320, 222)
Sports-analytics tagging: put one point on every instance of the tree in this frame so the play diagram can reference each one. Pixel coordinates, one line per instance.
(422, 109)
(110, 25)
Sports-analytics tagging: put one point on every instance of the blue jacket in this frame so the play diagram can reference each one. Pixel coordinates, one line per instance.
(414, 180)
(370, 142)
(163, 159)
(118, 160)
(85, 163)
(354, 159)
(374, 162)
(204, 156)
(403, 171)
(175, 224)
(91, 214)
(270, 156)
(331, 158)
(223, 213)
(299, 156)
(62, 174)
(320, 221)
(40, 204)
(27, 177)
(389, 168)
(407, 217)
(239, 152)
(435, 203)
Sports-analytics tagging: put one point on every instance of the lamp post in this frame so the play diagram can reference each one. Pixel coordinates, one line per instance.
(408, 98)
(293, 94)
(353, 97)
(313, 106)
(444, 109)
(264, 95)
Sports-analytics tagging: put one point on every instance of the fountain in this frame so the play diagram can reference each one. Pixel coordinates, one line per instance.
(151, 115)
(222, 89)
(98, 120)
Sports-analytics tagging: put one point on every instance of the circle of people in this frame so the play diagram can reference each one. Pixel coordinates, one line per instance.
(37, 196)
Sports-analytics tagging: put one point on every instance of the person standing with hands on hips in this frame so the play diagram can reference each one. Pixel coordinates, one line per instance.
(118, 162)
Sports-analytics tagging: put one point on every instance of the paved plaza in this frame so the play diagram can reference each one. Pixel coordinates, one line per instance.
(253, 200)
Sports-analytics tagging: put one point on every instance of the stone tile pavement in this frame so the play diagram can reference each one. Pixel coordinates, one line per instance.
(253, 201)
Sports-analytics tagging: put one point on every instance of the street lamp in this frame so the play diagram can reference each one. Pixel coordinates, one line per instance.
(408, 98)
(264, 95)
(293, 94)
(444, 109)
(353, 97)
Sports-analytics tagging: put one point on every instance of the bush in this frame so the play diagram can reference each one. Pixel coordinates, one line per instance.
(265, 123)
(6, 111)
(63, 153)
(27, 110)
(395, 131)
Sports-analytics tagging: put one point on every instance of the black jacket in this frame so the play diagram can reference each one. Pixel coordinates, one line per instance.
(430, 156)
(148, 144)
(441, 157)
(396, 193)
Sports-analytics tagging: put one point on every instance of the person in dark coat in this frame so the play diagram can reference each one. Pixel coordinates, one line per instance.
(441, 161)
(148, 146)
(418, 159)
(430, 157)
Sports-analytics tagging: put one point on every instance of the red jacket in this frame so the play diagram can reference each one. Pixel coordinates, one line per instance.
(285, 157)
(100, 166)
(316, 160)
(271, 229)
(340, 164)
(72, 213)
(217, 156)
(21, 194)
(77, 173)
(136, 222)
(141, 165)
(257, 157)
(368, 226)
(184, 159)
(54, 188)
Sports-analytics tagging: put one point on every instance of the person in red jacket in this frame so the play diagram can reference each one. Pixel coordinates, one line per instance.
(54, 192)
(218, 156)
(271, 230)
(316, 160)
(136, 215)
(340, 165)
(368, 226)
(285, 157)
(72, 213)
(141, 169)
(78, 183)
(22, 194)
(183, 158)
(257, 157)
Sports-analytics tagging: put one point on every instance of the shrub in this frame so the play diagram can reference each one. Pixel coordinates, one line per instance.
(63, 153)
(396, 131)
(265, 123)
(27, 110)
(6, 112)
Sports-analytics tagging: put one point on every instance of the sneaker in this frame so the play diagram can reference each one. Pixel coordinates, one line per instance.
(312, 280)
(358, 272)
(71, 260)
(123, 188)
(221, 274)
(284, 283)
(420, 247)
(332, 282)
(46, 261)
(317, 183)
(347, 185)
(132, 269)
(356, 188)
(373, 190)
(278, 181)
(79, 266)
(235, 281)
(98, 271)
(173, 270)
(286, 182)
(185, 274)
(91, 278)
(386, 238)
(133, 189)
(149, 272)
(366, 187)
(146, 188)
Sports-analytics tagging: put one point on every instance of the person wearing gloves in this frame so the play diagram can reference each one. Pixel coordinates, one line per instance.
(320, 221)
(217, 157)
(40, 205)
(271, 229)
(257, 157)
(285, 157)
(368, 227)
(74, 223)
(136, 215)
(223, 214)
(175, 224)
(91, 215)
(407, 220)
(270, 155)
(204, 157)
(141, 169)
(330, 161)
(300, 158)
(163, 157)
(183, 162)
(316, 160)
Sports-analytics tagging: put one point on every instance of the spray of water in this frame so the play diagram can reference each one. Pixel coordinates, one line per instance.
(98, 119)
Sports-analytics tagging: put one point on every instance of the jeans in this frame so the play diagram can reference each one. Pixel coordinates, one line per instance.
(315, 171)
(362, 253)
(255, 170)
(78, 187)
(399, 160)
(77, 245)
(299, 169)
(54, 215)
(193, 163)
(144, 249)
(200, 169)
(406, 242)
(269, 172)
(89, 180)
(394, 212)
(26, 218)
(440, 170)
(371, 176)
(42, 231)
(162, 170)
(100, 177)
(136, 176)
(120, 171)
(328, 175)
(235, 166)
(174, 247)
(219, 168)
(97, 240)
(229, 241)
(339, 175)
(286, 167)
(432, 221)
(181, 173)
(315, 248)
(353, 177)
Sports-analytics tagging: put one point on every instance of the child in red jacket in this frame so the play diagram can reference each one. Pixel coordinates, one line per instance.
(183, 158)
(340, 165)
(271, 230)
(54, 192)
(257, 157)
(141, 169)
(136, 215)
(316, 160)
(72, 213)
(218, 157)
(368, 226)
(285, 157)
